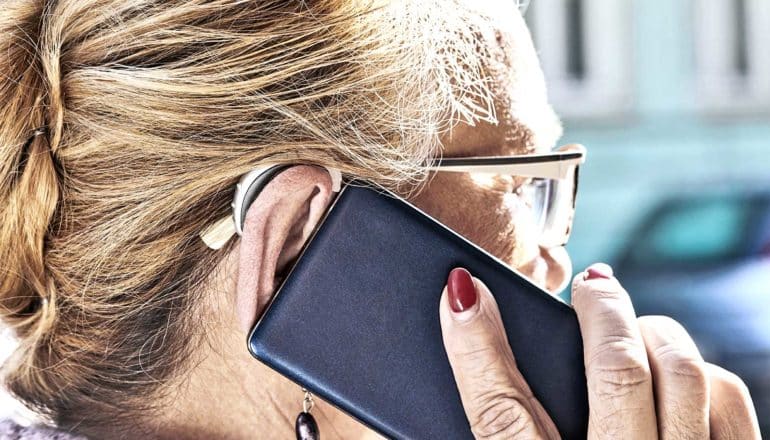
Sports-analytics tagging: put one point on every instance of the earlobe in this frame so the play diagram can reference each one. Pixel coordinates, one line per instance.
(277, 225)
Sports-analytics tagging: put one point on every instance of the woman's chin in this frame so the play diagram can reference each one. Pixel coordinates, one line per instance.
(551, 270)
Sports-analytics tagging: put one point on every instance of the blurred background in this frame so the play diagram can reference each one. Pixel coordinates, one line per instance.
(672, 100)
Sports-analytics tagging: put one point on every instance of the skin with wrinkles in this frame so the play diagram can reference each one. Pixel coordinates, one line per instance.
(622, 379)
(646, 378)
(131, 328)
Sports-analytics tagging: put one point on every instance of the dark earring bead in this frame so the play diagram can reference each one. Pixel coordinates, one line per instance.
(306, 427)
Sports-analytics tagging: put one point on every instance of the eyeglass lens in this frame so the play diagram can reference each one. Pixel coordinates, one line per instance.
(559, 210)
(552, 206)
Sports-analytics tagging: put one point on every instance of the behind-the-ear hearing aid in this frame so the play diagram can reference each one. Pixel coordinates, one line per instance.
(246, 192)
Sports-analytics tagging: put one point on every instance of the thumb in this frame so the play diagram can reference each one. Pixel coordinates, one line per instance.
(496, 399)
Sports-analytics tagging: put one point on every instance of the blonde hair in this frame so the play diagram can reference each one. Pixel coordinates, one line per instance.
(148, 113)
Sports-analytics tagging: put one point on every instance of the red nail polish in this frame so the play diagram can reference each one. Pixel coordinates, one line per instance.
(593, 273)
(462, 292)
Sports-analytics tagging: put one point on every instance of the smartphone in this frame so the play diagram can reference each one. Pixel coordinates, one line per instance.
(356, 322)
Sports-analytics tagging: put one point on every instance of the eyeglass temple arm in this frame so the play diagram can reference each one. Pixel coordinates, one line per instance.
(544, 170)
(215, 236)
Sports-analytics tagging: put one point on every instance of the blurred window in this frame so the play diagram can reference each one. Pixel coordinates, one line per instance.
(732, 60)
(576, 56)
(585, 51)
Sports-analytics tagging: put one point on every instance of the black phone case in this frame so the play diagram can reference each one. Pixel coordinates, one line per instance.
(356, 322)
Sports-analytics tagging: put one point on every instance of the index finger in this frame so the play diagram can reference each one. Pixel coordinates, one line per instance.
(620, 394)
(495, 396)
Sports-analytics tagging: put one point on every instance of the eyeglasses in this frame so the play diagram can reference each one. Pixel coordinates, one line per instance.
(551, 189)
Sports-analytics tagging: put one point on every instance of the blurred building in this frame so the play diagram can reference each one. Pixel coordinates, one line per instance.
(668, 96)
(672, 100)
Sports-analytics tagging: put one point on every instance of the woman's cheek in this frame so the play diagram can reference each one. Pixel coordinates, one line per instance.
(526, 234)
(496, 220)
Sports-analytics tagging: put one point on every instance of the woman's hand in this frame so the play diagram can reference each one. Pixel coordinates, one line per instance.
(646, 378)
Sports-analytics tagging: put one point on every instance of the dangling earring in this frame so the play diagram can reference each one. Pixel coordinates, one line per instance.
(306, 427)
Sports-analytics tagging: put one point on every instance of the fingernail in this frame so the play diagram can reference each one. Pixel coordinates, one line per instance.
(598, 271)
(461, 290)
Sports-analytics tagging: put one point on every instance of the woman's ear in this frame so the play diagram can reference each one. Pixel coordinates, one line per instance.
(277, 225)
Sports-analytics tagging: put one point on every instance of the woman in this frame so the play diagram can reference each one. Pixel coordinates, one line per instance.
(125, 125)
